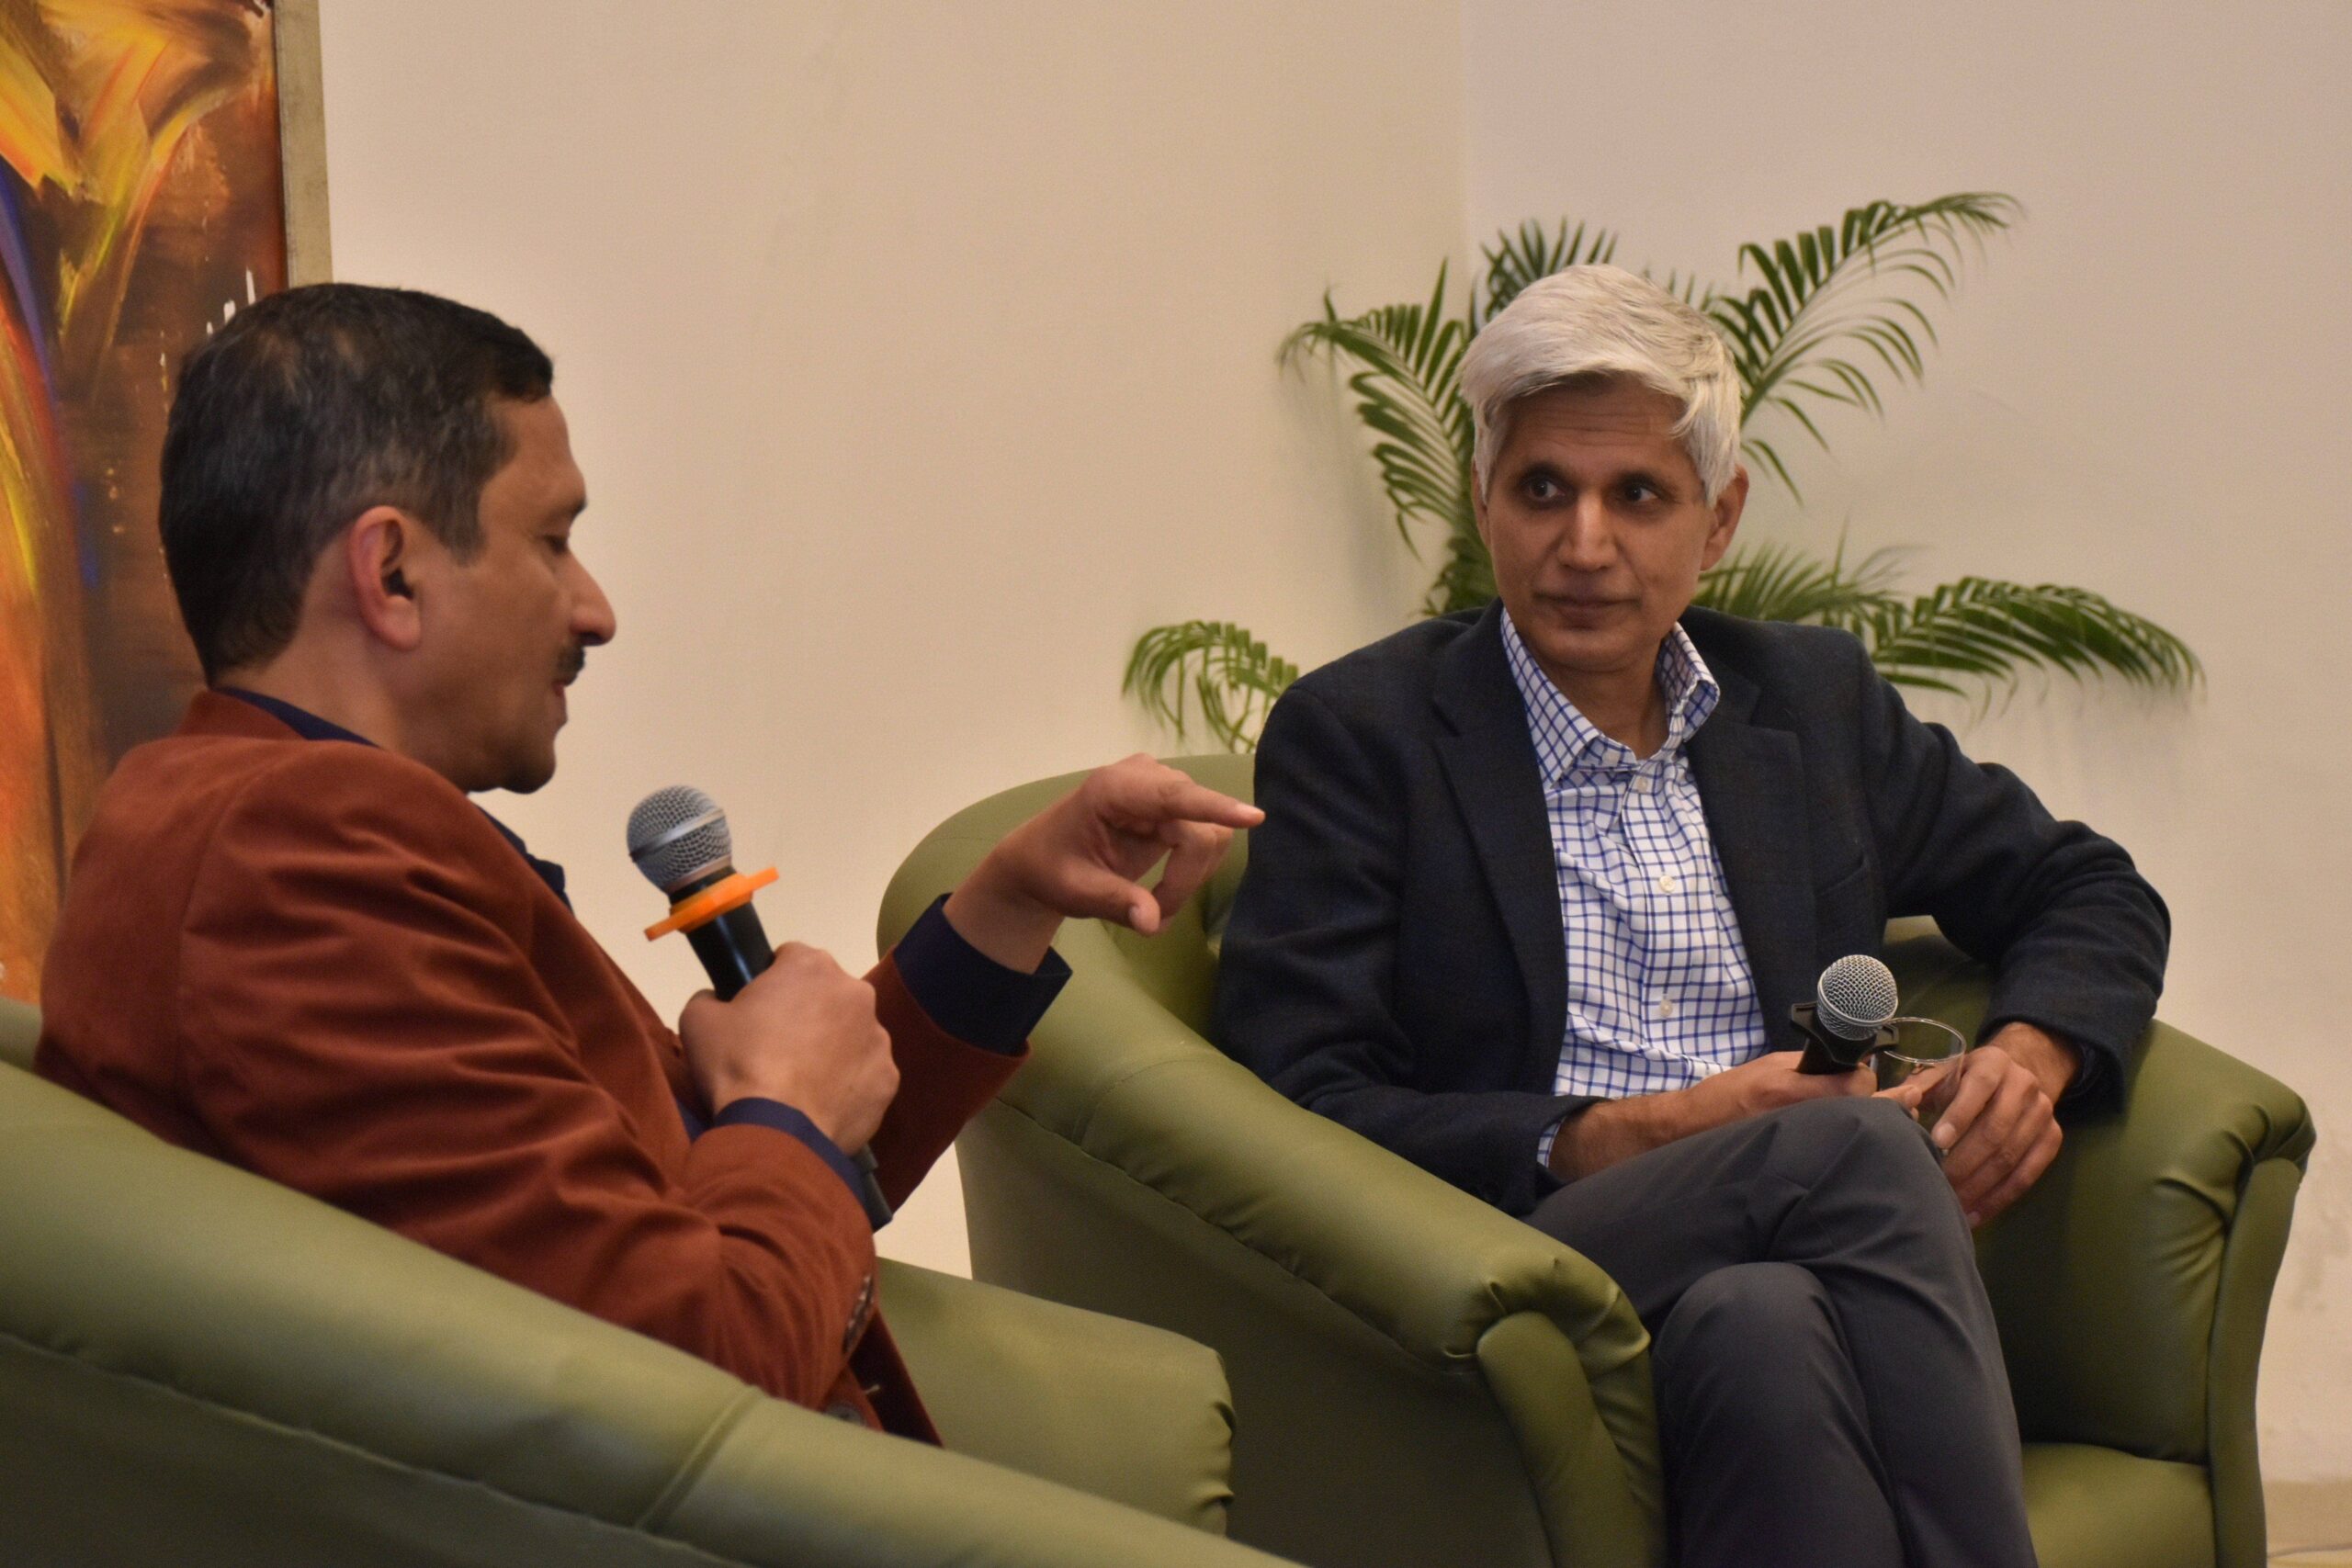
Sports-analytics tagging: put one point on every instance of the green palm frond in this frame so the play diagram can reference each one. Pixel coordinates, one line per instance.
(1516, 260)
(1232, 677)
(1978, 633)
(1776, 582)
(1834, 308)
(1466, 580)
(1409, 393)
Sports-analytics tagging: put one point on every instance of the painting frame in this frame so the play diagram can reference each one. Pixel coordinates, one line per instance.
(125, 233)
(302, 143)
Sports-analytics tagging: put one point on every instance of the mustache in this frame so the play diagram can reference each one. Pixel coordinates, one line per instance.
(574, 659)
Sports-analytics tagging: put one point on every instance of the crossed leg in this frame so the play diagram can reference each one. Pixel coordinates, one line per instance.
(1829, 1380)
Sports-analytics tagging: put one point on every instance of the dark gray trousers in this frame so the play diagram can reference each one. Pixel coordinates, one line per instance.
(1830, 1389)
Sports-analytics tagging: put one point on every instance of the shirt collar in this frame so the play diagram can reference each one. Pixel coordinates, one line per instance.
(311, 726)
(302, 721)
(1565, 739)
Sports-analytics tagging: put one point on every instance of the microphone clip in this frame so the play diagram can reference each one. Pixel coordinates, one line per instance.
(1828, 1053)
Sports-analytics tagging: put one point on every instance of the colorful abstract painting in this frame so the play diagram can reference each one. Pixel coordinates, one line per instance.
(141, 205)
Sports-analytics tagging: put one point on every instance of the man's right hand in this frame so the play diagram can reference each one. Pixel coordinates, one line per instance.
(803, 1033)
(1768, 1083)
(1614, 1131)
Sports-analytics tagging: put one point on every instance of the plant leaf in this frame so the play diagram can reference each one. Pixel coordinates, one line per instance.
(1229, 675)
(1777, 583)
(1518, 259)
(1408, 393)
(1821, 296)
(1982, 633)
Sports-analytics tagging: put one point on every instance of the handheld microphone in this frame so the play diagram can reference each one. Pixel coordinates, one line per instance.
(1853, 1004)
(678, 838)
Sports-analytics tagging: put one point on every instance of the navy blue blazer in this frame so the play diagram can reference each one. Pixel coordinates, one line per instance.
(1394, 958)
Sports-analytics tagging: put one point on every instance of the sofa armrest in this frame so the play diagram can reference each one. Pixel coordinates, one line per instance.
(2133, 1281)
(1451, 1283)
(1123, 1082)
(1117, 1409)
(1127, 1080)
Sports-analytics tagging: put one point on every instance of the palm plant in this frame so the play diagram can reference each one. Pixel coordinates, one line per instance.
(1828, 315)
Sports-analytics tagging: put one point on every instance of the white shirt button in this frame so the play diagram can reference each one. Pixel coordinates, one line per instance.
(1665, 1008)
(1667, 884)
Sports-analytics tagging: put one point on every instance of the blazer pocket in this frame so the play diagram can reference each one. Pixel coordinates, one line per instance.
(1847, 913)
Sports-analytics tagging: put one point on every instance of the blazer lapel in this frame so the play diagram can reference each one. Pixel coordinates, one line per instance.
(1751, 782)
(1490, 761)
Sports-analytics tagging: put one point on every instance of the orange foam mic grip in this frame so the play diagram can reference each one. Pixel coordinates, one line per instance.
(731, 893)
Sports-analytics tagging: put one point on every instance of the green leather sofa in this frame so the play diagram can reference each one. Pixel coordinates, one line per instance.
(198, 1367)
(1420, 1380)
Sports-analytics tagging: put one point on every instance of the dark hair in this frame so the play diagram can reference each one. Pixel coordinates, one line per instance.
(309, 408)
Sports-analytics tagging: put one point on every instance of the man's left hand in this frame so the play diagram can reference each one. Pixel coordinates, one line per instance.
(1083, 856)
(1996, 1115)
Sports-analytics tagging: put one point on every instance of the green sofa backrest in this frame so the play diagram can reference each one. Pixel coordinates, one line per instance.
(198, 1365)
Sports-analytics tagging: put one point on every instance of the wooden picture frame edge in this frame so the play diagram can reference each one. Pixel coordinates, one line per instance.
(302, 143)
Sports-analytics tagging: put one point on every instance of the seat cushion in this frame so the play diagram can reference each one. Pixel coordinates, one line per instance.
(2094, 1507)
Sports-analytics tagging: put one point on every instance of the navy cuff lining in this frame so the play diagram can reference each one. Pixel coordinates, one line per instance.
(969, 994)
(754, 1111)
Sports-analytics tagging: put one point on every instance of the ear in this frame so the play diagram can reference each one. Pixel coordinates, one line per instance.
(1728, 506)
(379, 552)
(1478, 507)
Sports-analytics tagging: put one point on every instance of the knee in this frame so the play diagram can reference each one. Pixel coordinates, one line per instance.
(1877, 1137)
(1737, 1309)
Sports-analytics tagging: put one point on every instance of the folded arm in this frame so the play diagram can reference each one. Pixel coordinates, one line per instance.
(2076, 936)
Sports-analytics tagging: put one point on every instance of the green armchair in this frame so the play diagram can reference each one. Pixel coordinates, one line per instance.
(1420, 1380)
(199, 1366)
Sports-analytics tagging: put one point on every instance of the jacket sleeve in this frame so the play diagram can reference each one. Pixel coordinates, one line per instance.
(942, 1083)
(362, 1021)
(2078, 937)
(1306, 981)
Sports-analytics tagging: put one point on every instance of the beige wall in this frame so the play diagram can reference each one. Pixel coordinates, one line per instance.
(2143, 391)
(919, 357)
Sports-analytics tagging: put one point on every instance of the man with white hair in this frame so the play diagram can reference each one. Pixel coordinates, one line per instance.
(1538, 885)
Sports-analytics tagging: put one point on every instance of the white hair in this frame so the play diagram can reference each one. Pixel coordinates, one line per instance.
(1604, 321)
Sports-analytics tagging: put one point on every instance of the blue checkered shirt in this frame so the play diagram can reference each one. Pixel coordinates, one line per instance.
(1660, 994)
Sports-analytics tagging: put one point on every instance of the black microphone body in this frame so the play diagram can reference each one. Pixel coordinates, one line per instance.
(734, 950)
(1828, 1052)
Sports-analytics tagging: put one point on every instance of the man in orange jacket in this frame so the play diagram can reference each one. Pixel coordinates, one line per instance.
(291, 941)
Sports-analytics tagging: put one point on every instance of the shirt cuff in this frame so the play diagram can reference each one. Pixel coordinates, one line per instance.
(754, 1111)
(1551, 1135)
(969, 994)
(2090, 1075)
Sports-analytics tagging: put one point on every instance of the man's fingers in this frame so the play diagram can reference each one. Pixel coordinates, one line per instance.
(1140, 790)
(1967, 1103)
(1991, 1144)
(1102, 894)
(1199, 851)
(2020, 1181)
(1914, 1091)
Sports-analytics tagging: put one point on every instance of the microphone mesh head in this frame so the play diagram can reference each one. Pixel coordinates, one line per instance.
(1855, 996)
(678, 834)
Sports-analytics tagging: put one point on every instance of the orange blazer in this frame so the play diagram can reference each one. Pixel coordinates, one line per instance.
(321, 962)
